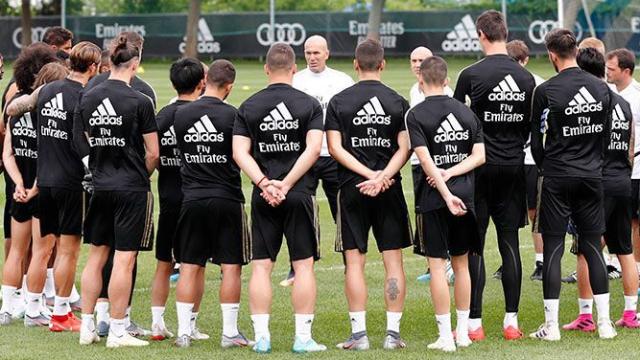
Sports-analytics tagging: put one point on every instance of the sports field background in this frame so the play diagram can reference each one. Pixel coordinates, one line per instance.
(331, 323)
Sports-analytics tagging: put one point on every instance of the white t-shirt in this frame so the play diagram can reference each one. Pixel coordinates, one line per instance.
(632, 94)
(416, 96)
(528, 158)
(322, 86)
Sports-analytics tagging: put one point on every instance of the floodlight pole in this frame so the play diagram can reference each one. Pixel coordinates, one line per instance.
(560, 13)
(272, 20)
(504, 10)
(63, 13)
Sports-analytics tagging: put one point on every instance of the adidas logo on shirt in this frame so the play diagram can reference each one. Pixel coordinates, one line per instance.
(279, 119)
(54, 108)
(24, 127)
(507, 90)
(203, 131)
(463, 37)
(169, 138)
(372, 113)
(583, 102)
(451, 130)
(105, 114)
(619, 122)
(206, 44)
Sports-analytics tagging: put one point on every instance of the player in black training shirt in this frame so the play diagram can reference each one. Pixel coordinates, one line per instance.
(60, 174)
(367, 137)
(212, 225)
(447, 138)
(616, 182)
(575, 106)
(120, 126)
(187, 78)
(277, 139)
(499, 90)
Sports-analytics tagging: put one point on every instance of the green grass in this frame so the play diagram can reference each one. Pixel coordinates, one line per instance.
(331, 325)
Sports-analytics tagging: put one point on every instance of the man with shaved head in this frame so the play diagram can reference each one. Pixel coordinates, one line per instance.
(321, 82)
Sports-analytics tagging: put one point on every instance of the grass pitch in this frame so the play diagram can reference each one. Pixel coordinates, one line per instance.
(331, 324)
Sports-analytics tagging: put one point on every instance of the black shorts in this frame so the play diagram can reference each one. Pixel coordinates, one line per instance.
(532, 174)
(8, 197)
(326, 169)
(22, 212)
(440, 234)
(296, 218)
(635, 196)
(61, 211)
(386, 214)
(213, 229)
(165, 236)
(578, 198)
(617, 216)
(501, 195)
(120, 219)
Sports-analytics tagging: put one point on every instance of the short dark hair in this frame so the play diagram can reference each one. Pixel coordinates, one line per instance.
(56, 36)
(626, 59)
(591, 61)
(433, 70)
(280, 57)
(185, 75)
(221, 72)
(83, 55)
(29, 62)
(518, 50)
(124, 50)
(491, 23)
(369, 55)
(561, 42)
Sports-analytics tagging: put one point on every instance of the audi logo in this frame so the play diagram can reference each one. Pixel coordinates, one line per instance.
(540, 28)
(36, 35)
(292, 34)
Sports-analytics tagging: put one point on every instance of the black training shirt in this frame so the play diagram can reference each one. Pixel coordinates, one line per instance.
(499, 89)
(616, 170)
(115, 116)
(59, 165)
(204, 129)
(449, 130)
(369, 115)
(574, 107)
(136, 83)
(24, 142)
(277, 120)
(169, 184)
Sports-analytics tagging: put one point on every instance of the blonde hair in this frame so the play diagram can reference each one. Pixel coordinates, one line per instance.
(83, 55)
(592, 42)
(50, 72)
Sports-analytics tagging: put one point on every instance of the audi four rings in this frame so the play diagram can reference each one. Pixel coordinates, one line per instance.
(540, 28)
(292, 34)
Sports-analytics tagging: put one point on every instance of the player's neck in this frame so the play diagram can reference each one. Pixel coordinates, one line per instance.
(122, 75)
(213, 92)
(429, 90)
(624, 84)
(82, 78)
(566, 64)
(495, 48)
(369, 75)
(189, 97)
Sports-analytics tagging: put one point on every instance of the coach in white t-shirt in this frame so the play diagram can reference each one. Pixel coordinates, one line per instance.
(620, 67)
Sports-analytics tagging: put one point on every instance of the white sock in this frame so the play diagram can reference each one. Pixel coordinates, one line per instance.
(33, 304)
(475, 324)
(444, 326)
(358, 321)
(230, 319)
(551, 307)
(117, 327)
(127, 317)
(49, 284)
(303, 326)
(24, 287)
(630, 303)
(102, 311)
(74, 296)
(462, 325)
(60, 307)
(393, 321)
(192, 321)
(87, 322)
(586, 306)
(510, 319)
(157, 316)
(261, 326)
(7, 298)
(602, 305)
(18, 301)
(184, 317)
(539, 257)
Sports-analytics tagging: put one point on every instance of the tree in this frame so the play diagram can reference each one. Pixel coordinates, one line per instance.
(375, 17)
(25, 22)
(191, 48)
